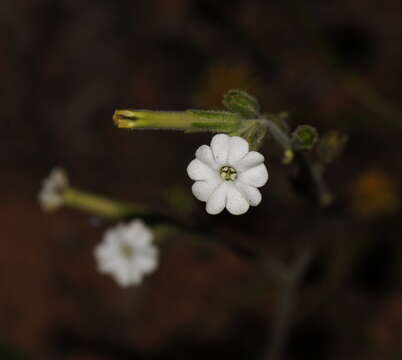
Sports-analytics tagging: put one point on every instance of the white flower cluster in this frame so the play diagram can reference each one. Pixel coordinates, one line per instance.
(127, 253)
(227, 174)
(51, 194)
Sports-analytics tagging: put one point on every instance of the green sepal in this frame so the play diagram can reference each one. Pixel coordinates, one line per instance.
(304, 137)
(218, 121)
(253, 131)
(214, 114)
(242, 103)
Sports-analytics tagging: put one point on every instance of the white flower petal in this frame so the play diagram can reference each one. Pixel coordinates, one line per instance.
(124, 278)
(127, 267)
(197, 170)
(204, 154)
(217, 201)
(252, 159)
(136, 227)
(220, 148)
(256, 176)
(137, 235)
(236, 203)
(236, 193)
(110, 266)
(135, 278)
(202, 190)
(103, 252)
(51, 195)
(238, 148)
(250, 193)
(146, 263)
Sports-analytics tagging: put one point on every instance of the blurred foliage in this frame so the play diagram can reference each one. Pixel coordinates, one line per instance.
(330, 146)
(220, 77)
(181, 200)
(7, 353)
(375, 193)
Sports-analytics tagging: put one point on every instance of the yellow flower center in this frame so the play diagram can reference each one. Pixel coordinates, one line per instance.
(126, 251)
(228, 173)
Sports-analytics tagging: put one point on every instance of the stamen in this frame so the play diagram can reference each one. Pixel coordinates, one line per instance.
(228, 173)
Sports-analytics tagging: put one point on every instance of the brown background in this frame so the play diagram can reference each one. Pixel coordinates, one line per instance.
(66, 65)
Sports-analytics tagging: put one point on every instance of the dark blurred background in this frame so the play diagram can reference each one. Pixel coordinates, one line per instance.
(66, 65)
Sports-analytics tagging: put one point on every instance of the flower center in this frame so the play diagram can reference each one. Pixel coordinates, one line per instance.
(228, 173)
(126, 251)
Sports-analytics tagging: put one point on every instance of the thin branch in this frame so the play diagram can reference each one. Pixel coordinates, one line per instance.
(290, 280)
(121, 211)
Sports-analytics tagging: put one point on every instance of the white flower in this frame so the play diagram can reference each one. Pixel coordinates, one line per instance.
(51, 194)
(127, 253)
(227, 175)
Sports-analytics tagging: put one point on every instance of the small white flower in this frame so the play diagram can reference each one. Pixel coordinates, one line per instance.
(227, 175)
(51, 194)
(127, 253)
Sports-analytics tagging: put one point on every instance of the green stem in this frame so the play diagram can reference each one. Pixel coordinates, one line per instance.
(282, 139)
(278, 134)
(290, 280)
(165, 225)
(101, 206)
(253, 130)
(200, 120)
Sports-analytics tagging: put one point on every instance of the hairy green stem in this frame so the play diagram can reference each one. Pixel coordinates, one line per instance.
(115, 210)
(102, 206)
(278, 134)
